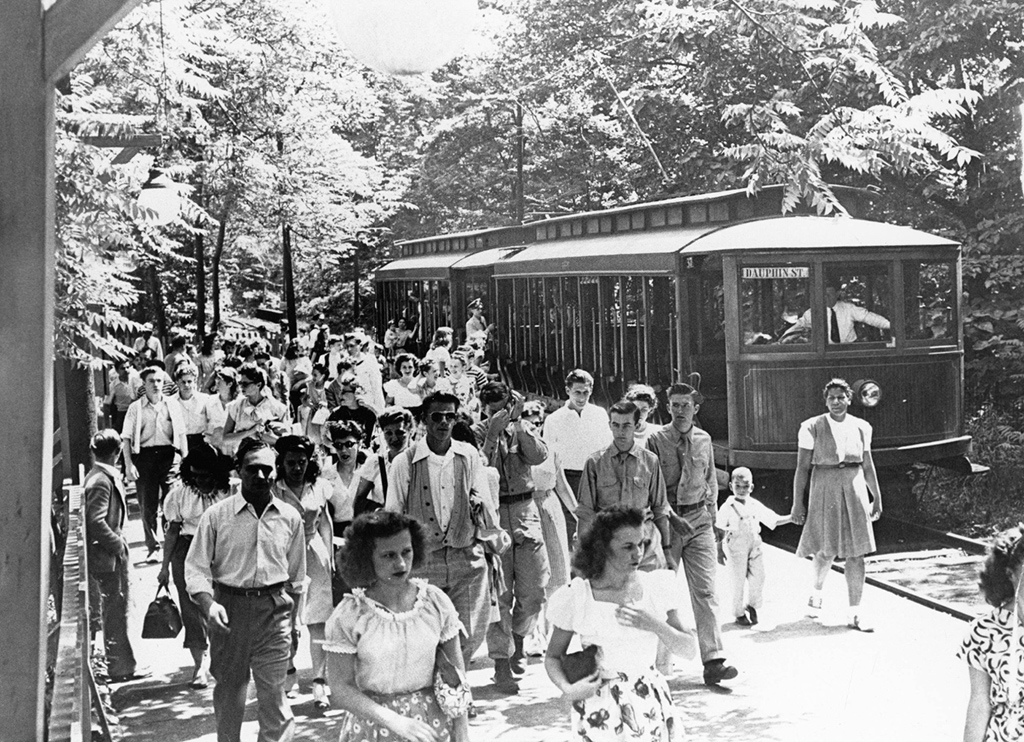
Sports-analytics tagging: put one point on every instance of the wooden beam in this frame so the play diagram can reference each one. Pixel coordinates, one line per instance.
(26, 364)
(133, 140)
(72, 27)
(125, 155)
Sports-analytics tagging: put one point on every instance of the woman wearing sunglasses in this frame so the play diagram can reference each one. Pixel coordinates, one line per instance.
(345, 437)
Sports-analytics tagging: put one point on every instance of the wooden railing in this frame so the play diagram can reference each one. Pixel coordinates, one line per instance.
(74, 688)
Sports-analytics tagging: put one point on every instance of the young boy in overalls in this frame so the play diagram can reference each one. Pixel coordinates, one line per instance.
(741, 517)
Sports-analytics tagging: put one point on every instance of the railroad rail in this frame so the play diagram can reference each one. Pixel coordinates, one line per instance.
(933, 568)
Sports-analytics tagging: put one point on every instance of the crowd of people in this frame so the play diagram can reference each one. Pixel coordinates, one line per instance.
(404, 512)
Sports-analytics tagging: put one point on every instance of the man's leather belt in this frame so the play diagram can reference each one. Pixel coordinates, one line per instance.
(841, 465)
(250, 592)
(690, 508)
(510, 499)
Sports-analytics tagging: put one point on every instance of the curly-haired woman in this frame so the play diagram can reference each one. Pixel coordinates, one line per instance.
(204, 480)
(626, 613)
(384, 637)
(994, 647)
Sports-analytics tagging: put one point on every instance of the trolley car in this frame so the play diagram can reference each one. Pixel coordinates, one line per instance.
(723, 286)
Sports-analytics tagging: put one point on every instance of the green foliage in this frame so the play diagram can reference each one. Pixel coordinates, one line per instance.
(983, 504)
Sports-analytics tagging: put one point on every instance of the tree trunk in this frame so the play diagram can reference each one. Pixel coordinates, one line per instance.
(218, 250)
(199, 254)
(156, 297)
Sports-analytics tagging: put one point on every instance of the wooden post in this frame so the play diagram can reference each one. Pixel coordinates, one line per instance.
(26, 366)
(36, 49)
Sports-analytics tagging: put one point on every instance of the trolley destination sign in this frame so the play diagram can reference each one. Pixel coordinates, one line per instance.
(777, 272)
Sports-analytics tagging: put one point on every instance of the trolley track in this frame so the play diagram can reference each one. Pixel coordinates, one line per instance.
(933, 568)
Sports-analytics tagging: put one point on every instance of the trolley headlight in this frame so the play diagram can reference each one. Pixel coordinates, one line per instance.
(867, 393)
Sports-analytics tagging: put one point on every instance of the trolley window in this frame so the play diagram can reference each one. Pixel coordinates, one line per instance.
(858, 303)
(774, 302)
(929, 291)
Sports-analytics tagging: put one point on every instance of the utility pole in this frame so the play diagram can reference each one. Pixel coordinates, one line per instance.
(289, 282)
(520, 150)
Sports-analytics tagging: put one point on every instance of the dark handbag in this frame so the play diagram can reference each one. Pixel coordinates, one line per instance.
(579, 665)
(163, 621)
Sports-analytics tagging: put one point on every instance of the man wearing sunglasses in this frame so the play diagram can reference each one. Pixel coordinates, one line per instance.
(437, 481)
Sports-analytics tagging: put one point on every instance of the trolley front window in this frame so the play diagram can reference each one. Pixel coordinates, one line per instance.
(858, 303)
(929, 291)
(774, 299)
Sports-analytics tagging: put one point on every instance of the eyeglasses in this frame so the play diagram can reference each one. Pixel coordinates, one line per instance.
(346, 444)
(437, 417)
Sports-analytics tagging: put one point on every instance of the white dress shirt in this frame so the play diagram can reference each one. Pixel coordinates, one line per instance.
(575, 435)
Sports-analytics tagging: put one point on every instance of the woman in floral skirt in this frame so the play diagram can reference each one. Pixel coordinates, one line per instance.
(626, 613)
(383, 638)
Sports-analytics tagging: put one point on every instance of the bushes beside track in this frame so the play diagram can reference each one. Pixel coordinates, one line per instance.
(983, 504)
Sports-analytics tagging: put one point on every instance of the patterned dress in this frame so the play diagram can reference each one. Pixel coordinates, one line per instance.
(987, 647)
(633, 701)
(394, 657)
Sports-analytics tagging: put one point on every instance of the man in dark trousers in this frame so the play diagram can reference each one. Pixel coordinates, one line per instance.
(153, 440)
(245, 570)
(514, 448)
(688, 466)
(108, 553)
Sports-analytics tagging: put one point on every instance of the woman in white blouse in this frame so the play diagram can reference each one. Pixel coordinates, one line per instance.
(205, 479)
(835, 457)
(626, 613)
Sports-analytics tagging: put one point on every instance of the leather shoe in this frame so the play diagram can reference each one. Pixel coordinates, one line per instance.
(716, 671)
(504, 680)
(752, 615)
(200, 679)
(743, 620)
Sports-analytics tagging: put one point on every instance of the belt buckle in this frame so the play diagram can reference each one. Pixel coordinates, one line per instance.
(842, 465)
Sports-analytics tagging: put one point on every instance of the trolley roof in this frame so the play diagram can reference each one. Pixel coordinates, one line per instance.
(434, 266)
(813, 233)
(651, 251)
(655, 251)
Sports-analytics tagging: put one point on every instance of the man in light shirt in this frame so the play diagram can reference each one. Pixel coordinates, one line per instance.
(841, 317)
(152, 441)
(627, 473)
(575, 431)
(438, 481)
(195, 406)
(687, 464)
(245, 571)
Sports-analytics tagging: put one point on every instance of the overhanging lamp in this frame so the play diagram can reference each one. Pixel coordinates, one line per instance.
(159, 197)
(404, 37)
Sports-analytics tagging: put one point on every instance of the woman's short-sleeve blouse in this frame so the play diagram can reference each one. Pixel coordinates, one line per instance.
(847, 434)
(623, 648)
(988, 647)
(394, 651)
(186, 505)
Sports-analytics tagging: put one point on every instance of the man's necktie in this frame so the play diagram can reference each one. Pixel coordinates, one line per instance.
(834, 329)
